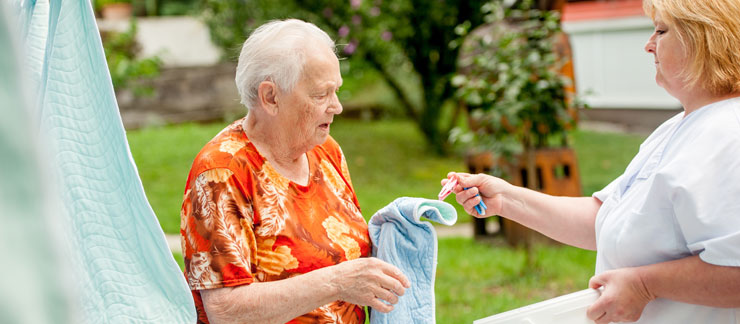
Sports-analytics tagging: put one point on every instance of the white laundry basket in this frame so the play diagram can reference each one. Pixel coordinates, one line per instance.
(566, 309)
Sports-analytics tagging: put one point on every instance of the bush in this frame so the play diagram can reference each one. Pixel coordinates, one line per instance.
(512, 83)
(406, 41)
(126, 70)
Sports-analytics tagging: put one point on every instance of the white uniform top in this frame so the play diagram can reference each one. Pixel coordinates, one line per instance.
(680, 196)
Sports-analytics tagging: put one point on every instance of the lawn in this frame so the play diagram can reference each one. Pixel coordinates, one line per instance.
(476, 279)
(388, 159)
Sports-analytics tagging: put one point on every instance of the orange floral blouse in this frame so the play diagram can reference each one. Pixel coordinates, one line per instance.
(242, 222)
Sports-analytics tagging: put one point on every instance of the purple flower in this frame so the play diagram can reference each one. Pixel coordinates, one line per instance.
(356, 19)
(328, 13)
(374, 11)
(386, 35)
(343, 31)
(355, 3)
(351, 47)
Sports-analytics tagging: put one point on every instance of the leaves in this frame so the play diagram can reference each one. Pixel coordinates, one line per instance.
(413, 44)
(125, 67)
(510, 80)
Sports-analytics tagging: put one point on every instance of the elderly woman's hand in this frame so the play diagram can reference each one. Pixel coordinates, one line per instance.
(365, 281)
(623, 299)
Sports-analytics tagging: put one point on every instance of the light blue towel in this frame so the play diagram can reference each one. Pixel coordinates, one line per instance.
(123, 271)
(401, 238)
(31, 283)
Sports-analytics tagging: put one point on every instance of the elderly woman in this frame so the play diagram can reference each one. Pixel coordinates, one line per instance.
(667, 231)
(271, 227)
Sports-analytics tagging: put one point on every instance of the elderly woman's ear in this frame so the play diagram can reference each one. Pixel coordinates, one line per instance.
(267, 93)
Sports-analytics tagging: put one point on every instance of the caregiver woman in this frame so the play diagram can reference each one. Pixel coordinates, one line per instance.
(667, 231)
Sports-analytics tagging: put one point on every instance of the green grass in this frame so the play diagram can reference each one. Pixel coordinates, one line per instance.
(602, 157)
(163, 157)
(389, 159)
(386, 160)
(478, 279)
(475, 280)
(179, 259)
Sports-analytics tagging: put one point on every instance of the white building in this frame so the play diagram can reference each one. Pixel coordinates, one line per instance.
(614, 74)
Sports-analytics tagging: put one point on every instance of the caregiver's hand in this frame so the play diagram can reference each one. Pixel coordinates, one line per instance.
(492, 191)
(623, 298)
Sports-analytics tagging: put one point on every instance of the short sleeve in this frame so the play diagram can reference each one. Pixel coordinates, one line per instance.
(609, 190)
(706, 204)
(217, 232)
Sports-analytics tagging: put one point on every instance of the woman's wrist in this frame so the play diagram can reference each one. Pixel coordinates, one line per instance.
(330, 279)
(511, 203)
(644, 281)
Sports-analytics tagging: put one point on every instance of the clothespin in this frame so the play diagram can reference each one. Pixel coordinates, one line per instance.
(481, 206)
(447, 190)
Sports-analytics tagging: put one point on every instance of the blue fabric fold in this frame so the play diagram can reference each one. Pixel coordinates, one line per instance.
(117, 254)
(400, 237)
(32, 276)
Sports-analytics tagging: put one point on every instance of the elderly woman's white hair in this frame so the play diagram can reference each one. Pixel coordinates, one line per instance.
(276, 51)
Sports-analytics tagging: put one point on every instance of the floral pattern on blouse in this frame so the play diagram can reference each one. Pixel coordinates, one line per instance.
(243, 222)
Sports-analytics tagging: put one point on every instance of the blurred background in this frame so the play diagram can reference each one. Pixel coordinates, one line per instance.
(554, 95)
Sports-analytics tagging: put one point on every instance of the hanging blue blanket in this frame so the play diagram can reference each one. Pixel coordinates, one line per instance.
(115, 251)
(400, 237)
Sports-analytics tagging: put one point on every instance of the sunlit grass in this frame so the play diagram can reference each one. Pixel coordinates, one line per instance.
(478, 279)
(163, 157)
(389, 159)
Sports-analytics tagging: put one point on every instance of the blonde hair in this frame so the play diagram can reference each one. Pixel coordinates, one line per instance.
(276, 51)
(710, 31)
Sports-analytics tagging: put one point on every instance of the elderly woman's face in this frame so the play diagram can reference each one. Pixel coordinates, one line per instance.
(670, 57)
(311, 106)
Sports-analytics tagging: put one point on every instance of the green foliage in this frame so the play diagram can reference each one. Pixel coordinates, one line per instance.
(402, 39)
(166, 7)
(126, 69)
(173, 7)
(511, 81)
(102, 3)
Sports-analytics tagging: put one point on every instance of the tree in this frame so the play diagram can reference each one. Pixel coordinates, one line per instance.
(513, 81)
(393, 37)
(516, 81)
